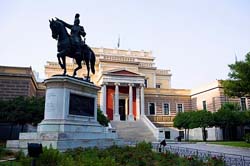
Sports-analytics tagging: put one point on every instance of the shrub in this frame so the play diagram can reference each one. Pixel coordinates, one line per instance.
(140, 155)
(247, 137)
(215, 161)
(103, 120)
(5, 153)
(19, 155)
(1, 152)
(52, 157)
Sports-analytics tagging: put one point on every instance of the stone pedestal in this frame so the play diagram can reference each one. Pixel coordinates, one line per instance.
(70, 118)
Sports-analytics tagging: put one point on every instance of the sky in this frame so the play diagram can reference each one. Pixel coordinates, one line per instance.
(195, 39)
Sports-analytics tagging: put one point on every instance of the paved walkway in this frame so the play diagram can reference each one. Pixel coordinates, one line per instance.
(216, 148)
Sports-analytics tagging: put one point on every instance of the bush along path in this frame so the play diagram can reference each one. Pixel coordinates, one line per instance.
(140, 155)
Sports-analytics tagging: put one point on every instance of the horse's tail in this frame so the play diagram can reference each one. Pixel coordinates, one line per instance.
(92, 61)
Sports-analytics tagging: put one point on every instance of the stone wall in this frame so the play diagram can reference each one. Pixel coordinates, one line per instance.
(172, 97)
(18, 81)
(12, 88)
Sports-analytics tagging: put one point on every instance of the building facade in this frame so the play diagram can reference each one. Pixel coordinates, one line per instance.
(131, 85)
(132, 88)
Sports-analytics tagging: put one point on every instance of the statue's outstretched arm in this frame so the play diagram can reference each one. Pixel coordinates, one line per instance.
(82, 32)
(65, 24)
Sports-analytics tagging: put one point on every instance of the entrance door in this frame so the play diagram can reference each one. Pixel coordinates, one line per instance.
(122, 109)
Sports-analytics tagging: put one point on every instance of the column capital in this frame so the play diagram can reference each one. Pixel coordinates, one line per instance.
(131, 84)
(104, 84)
(116, 83)
(142, 85)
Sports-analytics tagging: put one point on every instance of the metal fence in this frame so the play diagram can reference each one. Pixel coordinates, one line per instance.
(229, 159)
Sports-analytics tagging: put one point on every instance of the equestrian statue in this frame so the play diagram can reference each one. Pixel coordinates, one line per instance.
(72, 45)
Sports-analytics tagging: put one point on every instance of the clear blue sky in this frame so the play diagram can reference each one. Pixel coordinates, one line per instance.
(195, 39)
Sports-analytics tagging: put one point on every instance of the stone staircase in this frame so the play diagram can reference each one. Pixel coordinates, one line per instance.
(133, 132)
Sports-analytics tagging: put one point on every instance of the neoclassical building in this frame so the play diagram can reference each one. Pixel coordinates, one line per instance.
(133, 89)
(125, 77)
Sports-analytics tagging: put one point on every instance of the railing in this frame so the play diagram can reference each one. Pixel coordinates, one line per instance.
(229, 159)
(148, 65)
(151, 126)
(119, 58)
(108, 51)
(163, 72)
(160, 118)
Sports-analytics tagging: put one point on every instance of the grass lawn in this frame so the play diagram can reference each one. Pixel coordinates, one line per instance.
(232, 143)
(10, 163)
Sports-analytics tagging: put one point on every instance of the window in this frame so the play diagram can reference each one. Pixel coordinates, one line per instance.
(167, 134)
(158, 85)
(180, 108)
(243, 103)
(181, 134)
(204, 104)
(151, 108)
(146, 83)
(166, 110)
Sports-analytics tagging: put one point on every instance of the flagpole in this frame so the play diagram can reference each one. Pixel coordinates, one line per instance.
(118, 43)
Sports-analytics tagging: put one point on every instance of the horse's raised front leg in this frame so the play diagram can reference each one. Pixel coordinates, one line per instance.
(59, 60)
(78, 61)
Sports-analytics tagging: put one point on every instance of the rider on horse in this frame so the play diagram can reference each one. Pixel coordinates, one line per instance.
(76, 32)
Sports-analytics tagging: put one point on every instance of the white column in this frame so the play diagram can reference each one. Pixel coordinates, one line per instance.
(103, 99)
(137, 104)
(130, 114)
(154, 80)
(126, 108)
(116, 115)
(142, 100)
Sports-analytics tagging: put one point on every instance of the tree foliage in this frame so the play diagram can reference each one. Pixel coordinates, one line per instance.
(194, 119)
(102, 119)
(183, 120)
(22, 110)
(202, 119)
(228, 117)
(238, 83)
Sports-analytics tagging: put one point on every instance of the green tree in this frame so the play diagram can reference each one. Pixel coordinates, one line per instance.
(238, 83)
(21, 111)
(183, 120)
(102, 119)
(202, 119)
(246, 117)
(227, 117)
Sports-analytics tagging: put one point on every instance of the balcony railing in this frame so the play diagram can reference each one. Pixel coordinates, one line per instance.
(160, 118)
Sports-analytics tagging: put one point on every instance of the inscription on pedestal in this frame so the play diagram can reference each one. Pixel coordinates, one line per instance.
(81, 105)
(51, 102)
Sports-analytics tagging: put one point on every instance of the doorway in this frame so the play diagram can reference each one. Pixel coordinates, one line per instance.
(122, 111)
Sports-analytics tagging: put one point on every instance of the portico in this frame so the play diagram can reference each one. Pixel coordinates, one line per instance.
(122, 95)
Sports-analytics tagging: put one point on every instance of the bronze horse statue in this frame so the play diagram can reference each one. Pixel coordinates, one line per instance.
(64, 48)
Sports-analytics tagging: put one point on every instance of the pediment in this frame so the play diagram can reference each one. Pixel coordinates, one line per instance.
(123, 72)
